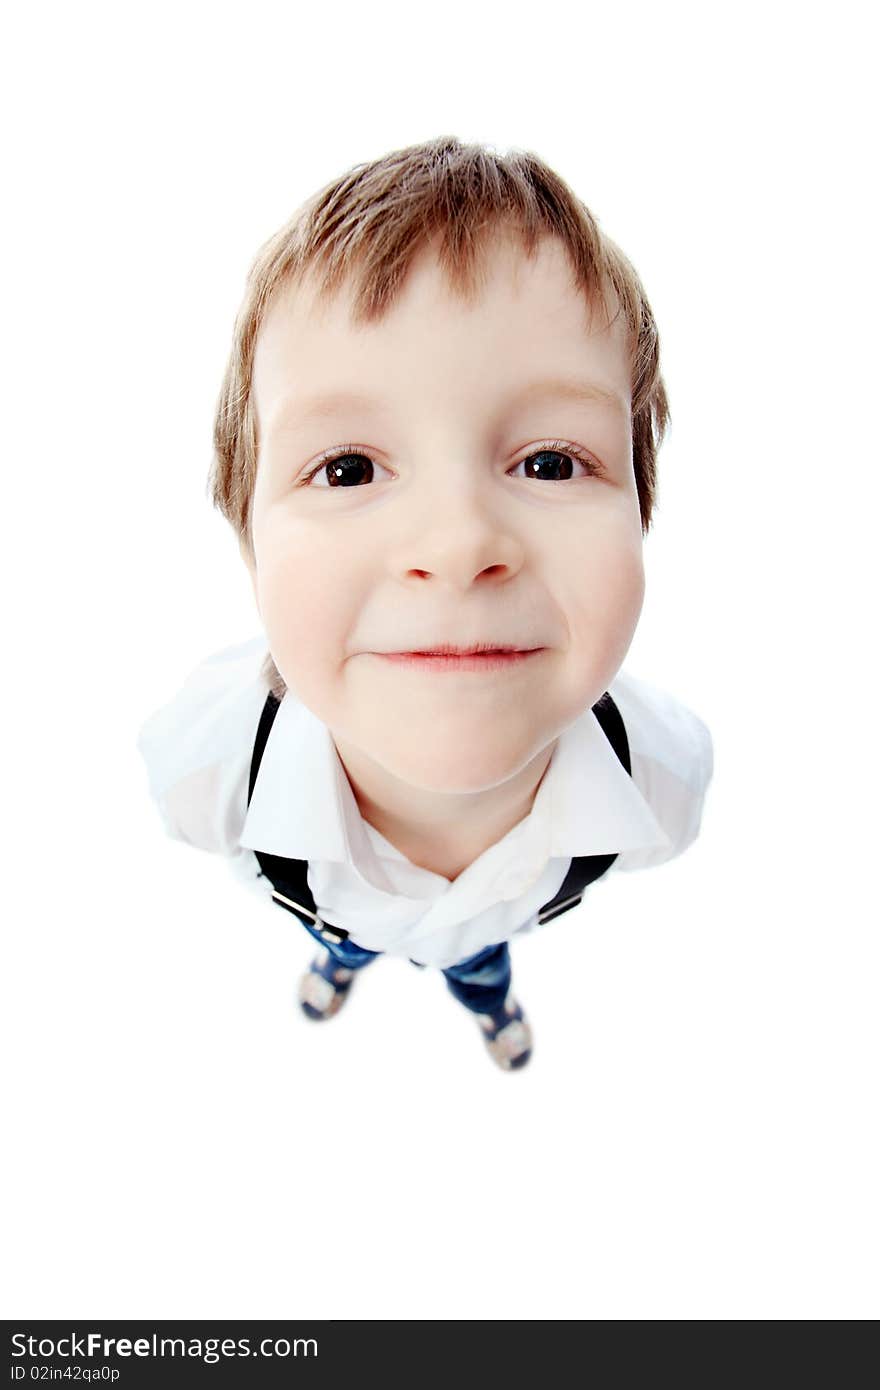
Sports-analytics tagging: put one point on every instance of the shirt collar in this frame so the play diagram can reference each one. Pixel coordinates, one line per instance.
(303, 806)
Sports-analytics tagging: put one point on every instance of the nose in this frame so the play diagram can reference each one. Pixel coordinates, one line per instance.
(458, 539)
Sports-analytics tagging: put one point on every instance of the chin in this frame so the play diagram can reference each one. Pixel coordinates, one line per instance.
(459, 768)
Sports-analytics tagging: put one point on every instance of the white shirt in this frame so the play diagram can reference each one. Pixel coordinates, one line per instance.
(198, 751)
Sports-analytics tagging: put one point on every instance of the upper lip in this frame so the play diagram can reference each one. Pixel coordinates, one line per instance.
(451, 649)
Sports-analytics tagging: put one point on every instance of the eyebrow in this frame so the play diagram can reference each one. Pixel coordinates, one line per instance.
(325, 406)
(331, 403)
(570, 389)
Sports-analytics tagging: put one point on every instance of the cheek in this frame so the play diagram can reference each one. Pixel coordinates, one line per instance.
(606, 593)
(307, 603)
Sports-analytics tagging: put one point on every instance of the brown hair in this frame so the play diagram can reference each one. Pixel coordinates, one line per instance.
(366, 227)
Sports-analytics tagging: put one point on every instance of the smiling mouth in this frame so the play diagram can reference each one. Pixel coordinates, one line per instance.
(448, 658)
(451, 649)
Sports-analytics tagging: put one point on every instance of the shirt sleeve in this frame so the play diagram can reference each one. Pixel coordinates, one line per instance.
(197, 749)
(672, 759)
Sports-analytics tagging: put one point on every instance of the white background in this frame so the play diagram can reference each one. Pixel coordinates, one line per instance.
(695, 1137)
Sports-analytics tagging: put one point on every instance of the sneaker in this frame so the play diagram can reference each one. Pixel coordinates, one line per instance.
(324, 987)
(507, 1035)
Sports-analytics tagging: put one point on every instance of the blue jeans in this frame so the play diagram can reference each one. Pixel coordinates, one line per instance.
(481, 982)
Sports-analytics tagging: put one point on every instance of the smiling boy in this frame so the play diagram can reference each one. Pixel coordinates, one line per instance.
(436, 441)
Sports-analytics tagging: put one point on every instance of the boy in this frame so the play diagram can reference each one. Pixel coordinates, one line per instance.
(439, 749)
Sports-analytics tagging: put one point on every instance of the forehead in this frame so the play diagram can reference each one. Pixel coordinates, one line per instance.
(527, 319)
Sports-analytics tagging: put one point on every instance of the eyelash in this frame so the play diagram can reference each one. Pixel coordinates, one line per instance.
(552, 446)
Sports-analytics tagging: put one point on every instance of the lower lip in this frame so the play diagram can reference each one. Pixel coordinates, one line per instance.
(482, 661)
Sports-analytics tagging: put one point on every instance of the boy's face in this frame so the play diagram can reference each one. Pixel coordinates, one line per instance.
(458, 523)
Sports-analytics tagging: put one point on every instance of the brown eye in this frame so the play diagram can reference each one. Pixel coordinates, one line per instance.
(348, 470)
(548, 464)
(556, 465)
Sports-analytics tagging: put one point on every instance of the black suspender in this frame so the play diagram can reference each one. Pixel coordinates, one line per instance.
(289, 877)
(588, 867)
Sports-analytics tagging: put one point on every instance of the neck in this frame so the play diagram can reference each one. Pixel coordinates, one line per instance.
(441, 831)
